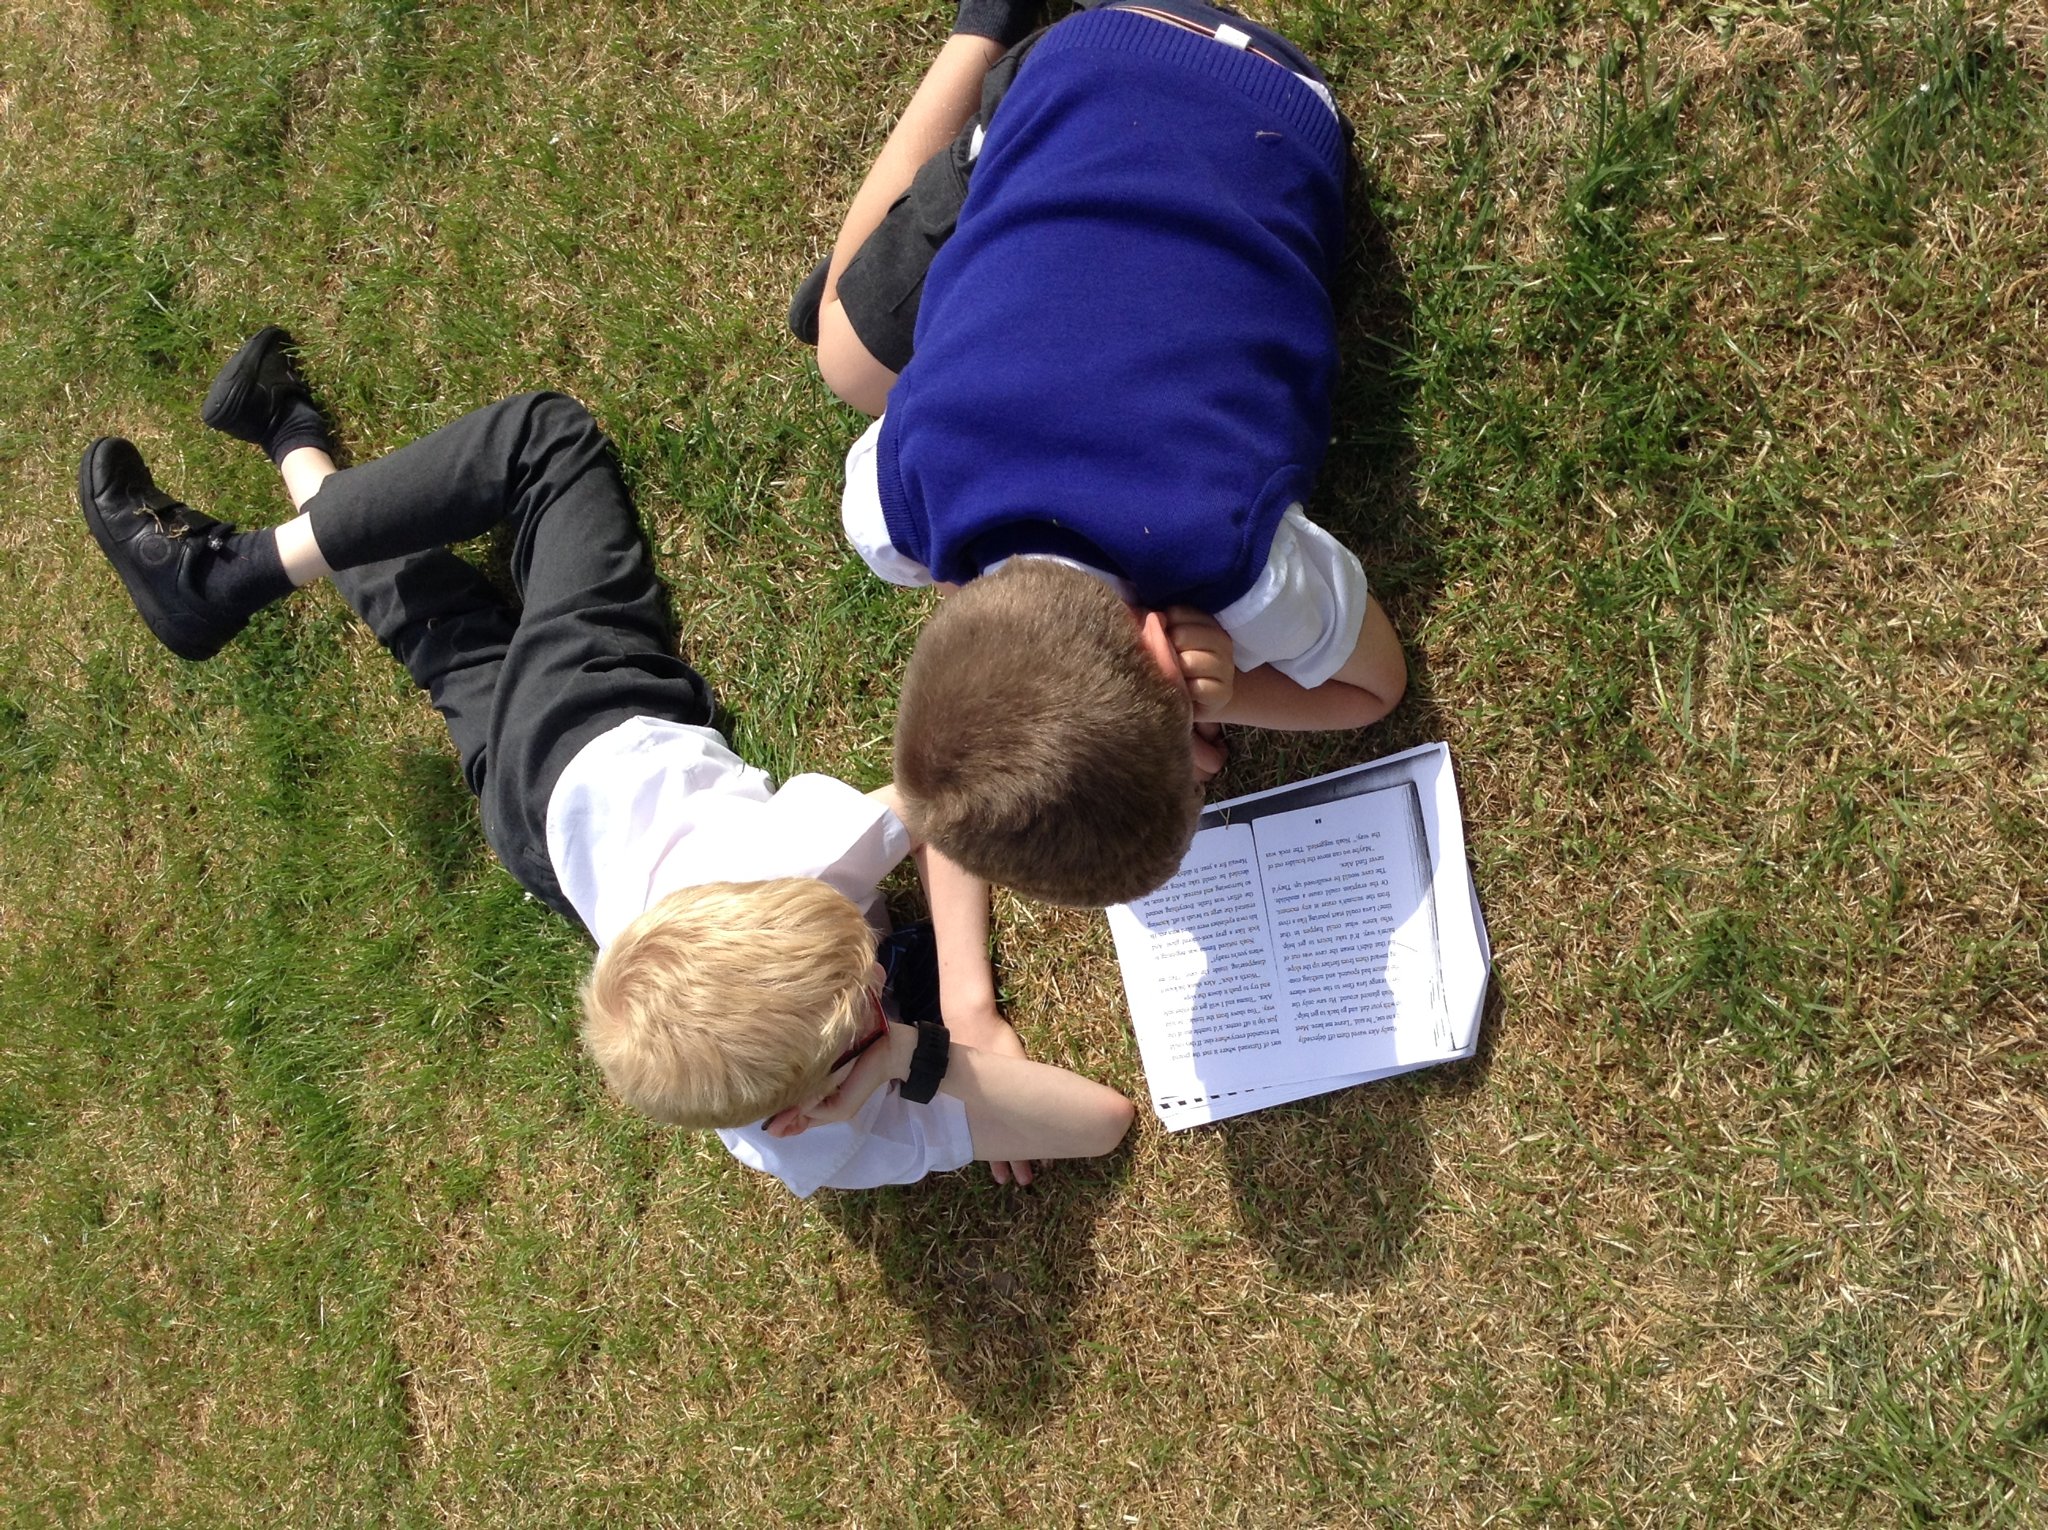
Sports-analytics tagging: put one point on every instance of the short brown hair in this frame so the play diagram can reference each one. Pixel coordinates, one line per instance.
(1039, 745)
(726, 1002)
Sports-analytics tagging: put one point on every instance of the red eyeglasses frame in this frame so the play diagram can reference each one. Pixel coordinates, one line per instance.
(881, 1029)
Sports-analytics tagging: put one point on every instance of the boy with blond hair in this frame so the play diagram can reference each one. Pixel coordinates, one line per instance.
(737, 984)
(1086, 287)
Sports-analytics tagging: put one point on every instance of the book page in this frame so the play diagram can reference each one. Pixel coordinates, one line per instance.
(1354, 926)
(1207, 992)
(1330, 932)
(1266, 959)
(1464, 953)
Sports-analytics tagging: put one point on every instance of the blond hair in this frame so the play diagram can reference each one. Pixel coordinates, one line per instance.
(727, 1002)
(1039, 744)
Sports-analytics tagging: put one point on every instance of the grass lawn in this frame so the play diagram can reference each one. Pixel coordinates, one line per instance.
(1695, 430)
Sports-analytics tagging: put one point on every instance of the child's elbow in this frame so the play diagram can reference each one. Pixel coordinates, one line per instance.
(1369, 687)
(1378, 668)
(846, 365)
(1394, 685)
(1357, 704)
(1110, 1123)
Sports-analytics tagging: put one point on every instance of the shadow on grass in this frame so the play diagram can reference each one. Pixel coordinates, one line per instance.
(437, 815)
(1366, 493)
(1333, 1189)
(1366, 497)
(994, 1275)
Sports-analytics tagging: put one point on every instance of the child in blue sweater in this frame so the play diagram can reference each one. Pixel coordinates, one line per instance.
(1086, 289)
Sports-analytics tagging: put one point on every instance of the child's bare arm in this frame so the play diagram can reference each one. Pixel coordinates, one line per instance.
(959, 904)
(949, 94)
(1364, 690)
(967, 983)
(1017, 1110)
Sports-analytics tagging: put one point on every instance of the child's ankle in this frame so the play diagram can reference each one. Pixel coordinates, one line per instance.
(245, 572)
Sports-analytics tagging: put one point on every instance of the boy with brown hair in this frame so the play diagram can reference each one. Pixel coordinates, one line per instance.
(737, 984)
(1090, 280)
(1094, 799)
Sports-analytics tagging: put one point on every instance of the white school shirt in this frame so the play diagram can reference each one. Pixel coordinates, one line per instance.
(1302, 614)
(651, 806)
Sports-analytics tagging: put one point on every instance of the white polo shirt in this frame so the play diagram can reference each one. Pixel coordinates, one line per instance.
(652, 806)
(1302, 614)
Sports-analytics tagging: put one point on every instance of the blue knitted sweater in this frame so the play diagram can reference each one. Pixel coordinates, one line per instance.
(1125, 352)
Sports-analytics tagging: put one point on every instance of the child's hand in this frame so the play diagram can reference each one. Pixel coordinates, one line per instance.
(1211, 753)
(874, 1068)
(1208, 659)
(788, 1123)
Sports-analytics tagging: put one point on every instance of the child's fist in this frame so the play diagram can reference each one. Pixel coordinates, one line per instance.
(1208, 660)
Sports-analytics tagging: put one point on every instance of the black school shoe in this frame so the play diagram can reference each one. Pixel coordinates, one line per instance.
(158, 547)
(259, 396)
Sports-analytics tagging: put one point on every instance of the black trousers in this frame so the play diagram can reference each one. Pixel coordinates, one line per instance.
(523, 687)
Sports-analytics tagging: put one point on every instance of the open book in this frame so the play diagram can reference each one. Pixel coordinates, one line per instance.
(1318, 936)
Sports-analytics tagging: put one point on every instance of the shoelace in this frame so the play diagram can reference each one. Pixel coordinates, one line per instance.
(171, 522)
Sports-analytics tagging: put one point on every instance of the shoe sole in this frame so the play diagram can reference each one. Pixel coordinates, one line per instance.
(144, 599)
(231, 385)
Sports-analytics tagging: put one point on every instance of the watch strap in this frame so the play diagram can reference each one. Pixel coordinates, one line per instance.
(927, 1063)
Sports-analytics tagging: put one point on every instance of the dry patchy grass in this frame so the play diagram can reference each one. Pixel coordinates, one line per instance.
(1705, 478)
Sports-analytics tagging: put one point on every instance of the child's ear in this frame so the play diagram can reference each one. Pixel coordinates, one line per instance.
(1158, 642)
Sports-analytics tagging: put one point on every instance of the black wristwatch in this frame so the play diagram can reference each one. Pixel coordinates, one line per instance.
(927, 1063)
